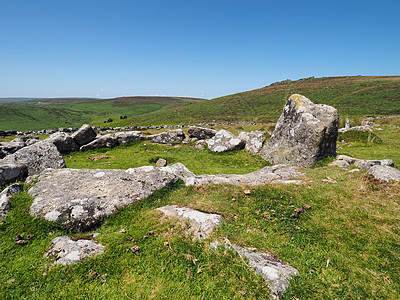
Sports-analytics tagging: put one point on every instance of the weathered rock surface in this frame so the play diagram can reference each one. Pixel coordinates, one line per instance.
(201, 133)
(126, 137)
(103, 141)
(82, 198)
(63, 141)
(161, 162)
(201, 224)
(224, 141)
(5, 198)
(200, 144)
(345, 161)
(11, 172)
(305, 133)
(254, 141)
(37, 157)
(274, 271)
(167, 137)
(7, 148)
(67, 251)
(84, 135)
(384, 173)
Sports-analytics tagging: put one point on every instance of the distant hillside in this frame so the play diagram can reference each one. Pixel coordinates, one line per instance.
(351, 95)
(73, 112)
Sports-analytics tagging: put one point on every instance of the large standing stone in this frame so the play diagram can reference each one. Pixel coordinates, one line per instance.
(125, 137)
(305, 133)
(66, 251)
(5, 198)
(11, 172)
(167, 137)
(224, 141)
(104, 141)
(63, 141)
(201, 224)
(385, 173)
(254, 141)
(201, 133)
(37, 157)
(80, 198)
(84, 135)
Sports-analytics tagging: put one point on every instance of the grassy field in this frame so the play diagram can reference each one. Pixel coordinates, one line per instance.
(55, 113)
(347, 246)
(352, 96)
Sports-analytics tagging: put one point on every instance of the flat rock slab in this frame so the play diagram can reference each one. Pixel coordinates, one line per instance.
(345, 161)
(201, 224)
(274, 271)
(384, 173)
(81, 198)
(67, 251)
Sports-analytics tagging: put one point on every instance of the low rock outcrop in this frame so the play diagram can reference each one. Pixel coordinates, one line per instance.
(126, 137)
(224, 141)
(63, 141)
(200, 144)
(7, 148)
(167, 137)
(385, 173)
(11, 172)
(37, 157)
(82, 198)
(345, 161)
(201, 133)
(254, 141)
(305, 133)
(84, 135)
(66, 251)
(103, 141)
(5, 198)
(201, 224)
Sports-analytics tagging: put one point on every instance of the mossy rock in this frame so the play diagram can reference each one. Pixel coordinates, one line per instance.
(365, 137)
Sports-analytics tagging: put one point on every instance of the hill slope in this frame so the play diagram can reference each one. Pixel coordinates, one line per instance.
(50, 113)
(352, 95)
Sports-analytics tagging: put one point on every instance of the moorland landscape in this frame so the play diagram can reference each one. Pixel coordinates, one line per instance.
(266, 224)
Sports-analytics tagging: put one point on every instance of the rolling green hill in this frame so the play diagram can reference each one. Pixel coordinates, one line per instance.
(66, 112)
(352, 95)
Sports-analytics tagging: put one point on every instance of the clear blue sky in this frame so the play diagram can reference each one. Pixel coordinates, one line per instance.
(203, 48)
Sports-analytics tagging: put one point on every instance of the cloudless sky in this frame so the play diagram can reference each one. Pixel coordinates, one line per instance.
(203, 48)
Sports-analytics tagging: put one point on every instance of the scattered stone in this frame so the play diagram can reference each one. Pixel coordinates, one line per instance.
(167, 137)
(347, 126)
(19, 240)
(345, 161)
(81, 198)
(126, 137)
(151, 232)
(103, 141)
(66, 251)
(274, 271)
(94, 275)
(134, 249)
(5, 198)
(200, 144)
(201, 224)
(385, 173)
(354, 171)
(161, 162)
(201, 133)
(254, 141)
(305, 133)
(63, 141)
(224, 141)
(11, 172)
(37, 157)
(84, 135)
(166, 244)
(247, 192)
(30, 236)
(306, 206)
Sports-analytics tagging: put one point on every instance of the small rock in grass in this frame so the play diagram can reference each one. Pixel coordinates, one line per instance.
(247, 192)
(19, 240)
(306, 206)
(135, 249)
(161, 162)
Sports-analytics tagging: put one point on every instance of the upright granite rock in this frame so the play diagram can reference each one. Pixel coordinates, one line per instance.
(305, 133)
(5, 198)
(11, 172)
(125, 137)
(37, 157)
(167, 137)
(66, 251)
(201, 133)
(254, 141)
(224, 141)
(63, 141)
(103, 141)
(84, 135)
(385, 173)
(80, 198)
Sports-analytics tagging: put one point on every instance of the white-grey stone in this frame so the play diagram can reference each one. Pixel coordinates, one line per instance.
(200, 144)
(201, 224)
(63, 141)
(167, 137)
(254, 141)
(125, 137)
(345, 161)
(305, 133)
(384, 173)
(224, 141)
(5, 198)
(7, 148)
(102, 141)
(84, 135)
(66, 251)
